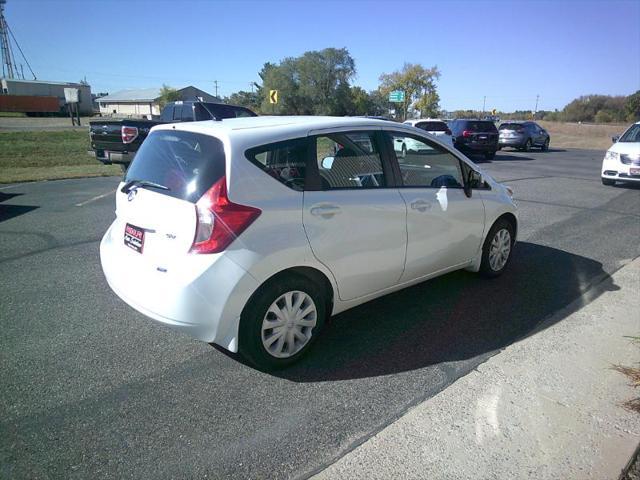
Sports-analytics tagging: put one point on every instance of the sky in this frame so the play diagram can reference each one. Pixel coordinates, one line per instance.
(507, 51)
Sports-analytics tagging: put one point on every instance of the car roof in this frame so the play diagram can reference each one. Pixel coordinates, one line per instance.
(269, 129)
(413, 121)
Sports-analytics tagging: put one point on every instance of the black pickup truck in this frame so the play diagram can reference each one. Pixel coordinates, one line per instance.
(116, 141)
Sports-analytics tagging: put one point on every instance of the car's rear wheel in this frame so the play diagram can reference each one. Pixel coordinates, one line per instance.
(608, 181)
(281, 321)
(545, 145)
(497, 248)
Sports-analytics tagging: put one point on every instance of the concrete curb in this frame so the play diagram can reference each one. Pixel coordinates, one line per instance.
(545, 407)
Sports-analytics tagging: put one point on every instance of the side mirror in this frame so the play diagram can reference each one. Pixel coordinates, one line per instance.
(615, 138)
(327, 162)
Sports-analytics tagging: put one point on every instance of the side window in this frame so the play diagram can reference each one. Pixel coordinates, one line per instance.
(177, 113)
(284, 161)
(349, 160)
(424, 164)
(187, 113)
(167, 114)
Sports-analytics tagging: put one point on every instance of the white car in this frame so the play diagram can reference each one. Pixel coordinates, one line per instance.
(622, 160)
(433, 126)
(251, 232)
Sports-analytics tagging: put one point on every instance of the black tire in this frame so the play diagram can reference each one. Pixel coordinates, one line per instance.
(608, 182)
(527, 145)
(489, 155)
(485, 266)
(250, 335)
(545, 145)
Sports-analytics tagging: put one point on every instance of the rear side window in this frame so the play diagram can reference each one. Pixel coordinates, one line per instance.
(188, 164)
(284, 161)
(349, 160)
(177, 113)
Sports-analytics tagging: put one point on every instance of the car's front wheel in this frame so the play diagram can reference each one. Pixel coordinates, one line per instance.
(497, 248)
(281, 321)
(527, 145)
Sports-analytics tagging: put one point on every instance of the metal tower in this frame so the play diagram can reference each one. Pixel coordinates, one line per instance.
(9, 65)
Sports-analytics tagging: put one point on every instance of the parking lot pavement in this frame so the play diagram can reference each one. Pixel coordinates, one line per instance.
(547, 407)
(93, 389)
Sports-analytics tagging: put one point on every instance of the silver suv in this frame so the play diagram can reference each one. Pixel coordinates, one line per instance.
(523, 136)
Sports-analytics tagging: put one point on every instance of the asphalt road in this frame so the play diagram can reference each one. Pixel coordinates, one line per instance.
(92, 389)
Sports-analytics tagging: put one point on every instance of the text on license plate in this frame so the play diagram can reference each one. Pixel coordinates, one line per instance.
(134, 237)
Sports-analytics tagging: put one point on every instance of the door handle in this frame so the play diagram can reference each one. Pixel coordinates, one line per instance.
(420, 205)
(325, 211)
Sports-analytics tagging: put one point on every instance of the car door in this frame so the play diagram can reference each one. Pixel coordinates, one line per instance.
(354, 218)
(444, 225)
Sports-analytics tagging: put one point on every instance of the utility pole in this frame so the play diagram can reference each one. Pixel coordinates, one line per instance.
(484, 102)
(536, 110)
(216, 84)
(251, 85)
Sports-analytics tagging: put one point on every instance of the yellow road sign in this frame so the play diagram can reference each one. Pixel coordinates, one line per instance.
(494, 111)
(273, 96)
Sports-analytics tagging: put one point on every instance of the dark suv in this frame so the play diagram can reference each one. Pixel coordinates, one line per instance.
(475, 136)
(523, 136)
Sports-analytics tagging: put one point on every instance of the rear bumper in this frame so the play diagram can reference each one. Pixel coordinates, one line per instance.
(200, 295)
(471, 147)
(511, 142)
(108, 157)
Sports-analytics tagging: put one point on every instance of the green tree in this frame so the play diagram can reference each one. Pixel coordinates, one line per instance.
(603, 117)
(419, 86)
(632, 107)
(316, 83)
(168, 94)
(251, 100)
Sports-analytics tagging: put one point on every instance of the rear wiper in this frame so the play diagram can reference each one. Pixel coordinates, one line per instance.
(131, 184)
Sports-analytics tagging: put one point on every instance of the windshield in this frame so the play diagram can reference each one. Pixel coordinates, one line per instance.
(631, 135)
(188, 164)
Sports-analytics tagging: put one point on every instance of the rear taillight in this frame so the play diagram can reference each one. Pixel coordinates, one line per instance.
(220, 220)
(129, 134)
(467, 133)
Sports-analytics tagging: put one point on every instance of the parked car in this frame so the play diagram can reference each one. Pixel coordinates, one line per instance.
(523, 136)
(117, 141)
(475, 136)
(251, 232)
(433, 126)
(622, 160)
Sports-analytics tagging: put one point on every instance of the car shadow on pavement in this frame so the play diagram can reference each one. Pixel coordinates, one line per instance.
(11, 211)
(455, 317)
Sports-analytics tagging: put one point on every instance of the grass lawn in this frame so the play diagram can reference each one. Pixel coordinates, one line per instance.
(576, 135)
(26, 156)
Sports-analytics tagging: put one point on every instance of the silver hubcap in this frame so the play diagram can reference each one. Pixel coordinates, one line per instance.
(500, 249)
(288, 324)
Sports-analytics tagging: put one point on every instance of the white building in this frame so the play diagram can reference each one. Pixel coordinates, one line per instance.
(143, 102)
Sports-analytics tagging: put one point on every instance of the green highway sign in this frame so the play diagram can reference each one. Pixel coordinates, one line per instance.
(396, 96)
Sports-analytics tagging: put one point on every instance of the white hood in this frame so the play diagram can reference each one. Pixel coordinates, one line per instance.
(625, 147)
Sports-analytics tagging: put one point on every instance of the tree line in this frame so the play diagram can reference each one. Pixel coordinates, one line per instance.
(319, 83)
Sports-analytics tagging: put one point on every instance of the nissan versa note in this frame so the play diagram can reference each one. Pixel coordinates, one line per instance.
(251, 232)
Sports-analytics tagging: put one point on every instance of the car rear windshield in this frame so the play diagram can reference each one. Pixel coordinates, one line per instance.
(433, 126)
(480, 126)
(188, 164)
(511, 126)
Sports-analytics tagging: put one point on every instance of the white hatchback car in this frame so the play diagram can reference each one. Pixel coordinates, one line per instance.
(251, 232)
(622, 160)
